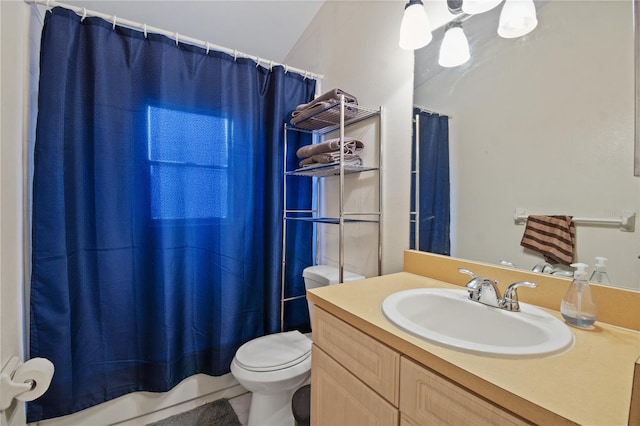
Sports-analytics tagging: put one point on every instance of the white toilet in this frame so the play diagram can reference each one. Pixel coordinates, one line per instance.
(272, 367)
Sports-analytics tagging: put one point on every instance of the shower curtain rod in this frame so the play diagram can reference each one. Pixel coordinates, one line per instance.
(423, 109)
(84, 12)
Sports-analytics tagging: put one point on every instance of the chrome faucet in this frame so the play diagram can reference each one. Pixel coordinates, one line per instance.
(485, 291)
(547, 268)
(481, 289)
(543, 267)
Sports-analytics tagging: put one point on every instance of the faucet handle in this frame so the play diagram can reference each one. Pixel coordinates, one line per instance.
(510, 301)
(473, 286)
(466, 271)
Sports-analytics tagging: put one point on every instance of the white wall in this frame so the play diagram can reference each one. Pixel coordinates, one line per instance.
(13, 18)
(545, 123)
(355, 45)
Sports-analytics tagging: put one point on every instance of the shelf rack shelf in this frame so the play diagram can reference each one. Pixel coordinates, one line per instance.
(331, 220)
(329, 170)
(336, 117)
(331, 119)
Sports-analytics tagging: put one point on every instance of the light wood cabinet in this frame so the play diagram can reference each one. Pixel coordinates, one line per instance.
(356, 380)
(429, 399)
(375, 364)
(339, 398)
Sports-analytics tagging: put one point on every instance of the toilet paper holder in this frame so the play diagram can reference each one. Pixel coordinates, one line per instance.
(10, 389)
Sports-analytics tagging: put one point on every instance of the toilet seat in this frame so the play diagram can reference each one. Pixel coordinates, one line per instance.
(274, 352)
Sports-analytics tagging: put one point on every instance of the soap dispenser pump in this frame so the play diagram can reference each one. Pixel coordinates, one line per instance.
(600, 275)
(577, 306)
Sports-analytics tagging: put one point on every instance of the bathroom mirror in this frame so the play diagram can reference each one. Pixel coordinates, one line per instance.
(544, 123)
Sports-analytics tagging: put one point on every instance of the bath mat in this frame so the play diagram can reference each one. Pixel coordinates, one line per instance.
(216, 413)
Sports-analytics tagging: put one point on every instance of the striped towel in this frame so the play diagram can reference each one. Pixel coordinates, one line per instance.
(552, 236)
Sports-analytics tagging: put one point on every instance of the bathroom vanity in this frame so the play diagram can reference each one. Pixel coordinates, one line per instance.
(367, 371)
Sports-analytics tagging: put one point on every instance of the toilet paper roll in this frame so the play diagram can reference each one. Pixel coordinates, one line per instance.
(38, 370)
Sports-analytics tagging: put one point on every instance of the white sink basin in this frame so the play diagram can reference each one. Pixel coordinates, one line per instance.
(449, 318)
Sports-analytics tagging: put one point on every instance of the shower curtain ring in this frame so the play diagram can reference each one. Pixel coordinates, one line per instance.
(115, 19)
(258, 62)
(144, 27)
(270, 65)
(235, 55)
(177, 35)
(207, 48)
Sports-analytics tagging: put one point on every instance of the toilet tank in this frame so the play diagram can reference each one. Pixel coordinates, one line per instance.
(321, 275)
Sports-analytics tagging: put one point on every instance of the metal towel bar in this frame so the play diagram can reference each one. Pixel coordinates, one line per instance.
(626, 221)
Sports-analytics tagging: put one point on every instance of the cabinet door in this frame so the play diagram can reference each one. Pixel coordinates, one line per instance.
(377, 365)
(338, 398)
(426, 398)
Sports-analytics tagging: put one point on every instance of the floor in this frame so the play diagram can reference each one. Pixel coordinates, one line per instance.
(240, 405)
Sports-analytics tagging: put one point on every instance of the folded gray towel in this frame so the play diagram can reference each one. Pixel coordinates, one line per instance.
(331, 96)
(330, 157)
(298, 115)
(308, 163)
(319, 112)
(320, 115)
(351, 146)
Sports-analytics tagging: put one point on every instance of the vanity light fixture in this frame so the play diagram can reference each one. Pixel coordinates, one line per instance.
(473, 7)
(454, 49)
(518, 17)
(415, 31)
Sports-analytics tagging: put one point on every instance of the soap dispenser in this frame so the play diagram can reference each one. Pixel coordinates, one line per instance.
(600, 275)
(577, 306)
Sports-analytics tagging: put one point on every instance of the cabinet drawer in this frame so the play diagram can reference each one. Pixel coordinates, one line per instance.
(338, 398)
(426, 398)
(372, 362)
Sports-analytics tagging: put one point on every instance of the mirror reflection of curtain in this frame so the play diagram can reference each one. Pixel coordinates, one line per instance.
(431, 179)
(157, 210)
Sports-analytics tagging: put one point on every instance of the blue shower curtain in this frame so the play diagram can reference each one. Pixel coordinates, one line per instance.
(157, 210)
(434, 187)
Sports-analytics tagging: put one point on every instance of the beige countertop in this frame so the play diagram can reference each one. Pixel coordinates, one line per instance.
(589, 384)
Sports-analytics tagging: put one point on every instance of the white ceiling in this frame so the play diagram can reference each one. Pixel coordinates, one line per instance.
(265, 28)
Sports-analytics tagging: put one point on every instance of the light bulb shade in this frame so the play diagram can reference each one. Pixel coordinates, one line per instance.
(473, 7)
(414, 30)
(518, 17)
(454, 49)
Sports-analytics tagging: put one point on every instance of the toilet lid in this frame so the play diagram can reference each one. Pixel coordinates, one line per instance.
(274, 351)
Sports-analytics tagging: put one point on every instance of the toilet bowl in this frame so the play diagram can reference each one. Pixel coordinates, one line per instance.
(274, 366)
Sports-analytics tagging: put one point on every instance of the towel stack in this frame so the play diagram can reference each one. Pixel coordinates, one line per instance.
(551, 236)
(328, 152)
(319, 112)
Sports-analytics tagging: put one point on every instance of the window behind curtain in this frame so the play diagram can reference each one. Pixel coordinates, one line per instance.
(188, 164)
